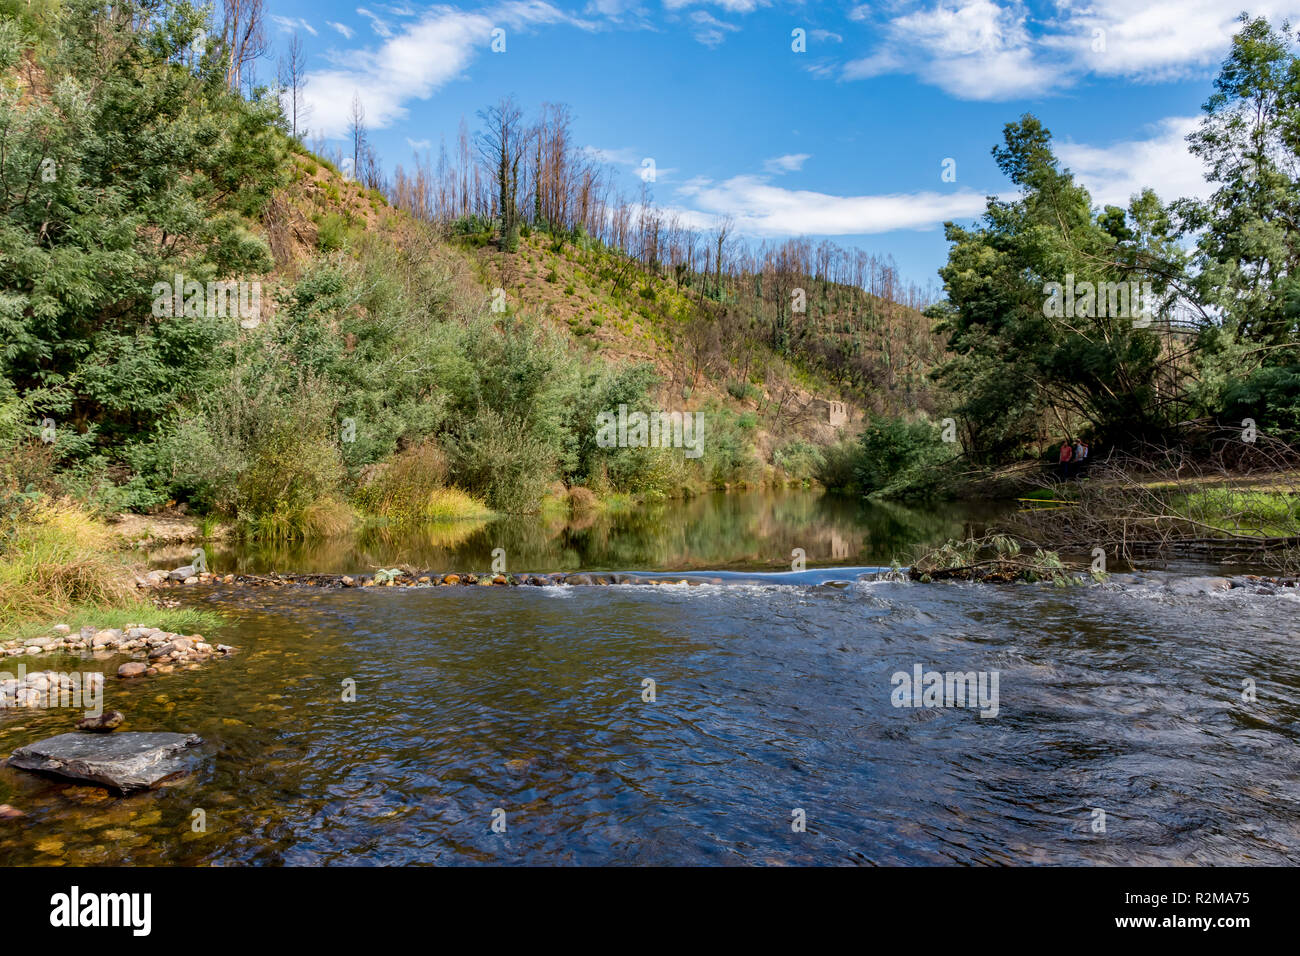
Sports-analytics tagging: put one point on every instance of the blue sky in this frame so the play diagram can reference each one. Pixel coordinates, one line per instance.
(846, 139)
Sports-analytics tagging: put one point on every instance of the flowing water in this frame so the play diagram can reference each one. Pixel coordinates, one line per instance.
(769, 698)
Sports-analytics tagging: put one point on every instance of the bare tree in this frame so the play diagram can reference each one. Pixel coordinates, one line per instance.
(720, 233)
(293, 73)
(357, 131)
(501, 147)
(243, 29)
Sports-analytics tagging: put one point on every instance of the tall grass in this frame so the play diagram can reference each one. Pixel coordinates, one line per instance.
(60, 564)
(412, 487)
(54, 558)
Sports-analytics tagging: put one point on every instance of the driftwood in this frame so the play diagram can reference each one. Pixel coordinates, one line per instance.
(1166, 502)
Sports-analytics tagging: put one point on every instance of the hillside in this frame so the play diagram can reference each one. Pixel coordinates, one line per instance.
(615, 311)
(230, 327)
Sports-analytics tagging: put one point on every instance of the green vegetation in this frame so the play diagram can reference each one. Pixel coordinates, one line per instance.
(1239, 511)
(1044, 344)
(370, 383)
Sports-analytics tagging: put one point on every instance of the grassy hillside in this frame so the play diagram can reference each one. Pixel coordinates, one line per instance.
(203, 316)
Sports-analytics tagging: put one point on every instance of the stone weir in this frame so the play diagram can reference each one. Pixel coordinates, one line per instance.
(408, 578)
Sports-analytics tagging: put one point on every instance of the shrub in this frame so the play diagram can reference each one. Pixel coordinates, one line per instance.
(581, 500)
(502, 461)
(836, 469)
(413, 487)
(799, 459)
(331, 232)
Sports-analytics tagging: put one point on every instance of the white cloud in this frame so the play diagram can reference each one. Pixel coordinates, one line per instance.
(1155, 39)
(615, 8)
(293, 23)
(1113, 174)
(973, 49)
(414, 63)
(986, 50)
(731, 6)
(418, 144)
(789, 163)
(825, 36)
(708, 29)
(345, 30)
(761, 209)
(377, 24)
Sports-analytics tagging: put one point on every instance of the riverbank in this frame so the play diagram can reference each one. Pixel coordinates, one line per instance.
(61, 566)
(1129, 508)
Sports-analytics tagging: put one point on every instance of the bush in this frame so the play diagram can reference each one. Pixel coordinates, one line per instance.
(728, 454)
(888, 446)
(413, 487)
(800, 460)
(501, 461)
(581, 500)
(836, 472)
(894, 459)
(261, 449)
(331, 233)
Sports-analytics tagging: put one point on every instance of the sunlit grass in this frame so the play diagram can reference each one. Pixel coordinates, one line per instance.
(1241, 511)
(179, 620)
(60, 565)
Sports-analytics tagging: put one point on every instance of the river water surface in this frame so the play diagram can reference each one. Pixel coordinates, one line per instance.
(1119, 704)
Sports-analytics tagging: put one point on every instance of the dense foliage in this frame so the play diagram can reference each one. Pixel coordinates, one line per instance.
(365, 377)
(1218, 341)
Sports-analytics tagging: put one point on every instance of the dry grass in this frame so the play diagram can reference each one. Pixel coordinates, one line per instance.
(56, 558)
(581, 500)
(412, 488)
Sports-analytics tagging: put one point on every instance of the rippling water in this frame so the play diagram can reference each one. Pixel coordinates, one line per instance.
(769, 698)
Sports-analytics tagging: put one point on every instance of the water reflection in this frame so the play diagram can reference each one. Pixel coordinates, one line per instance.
(750, 530)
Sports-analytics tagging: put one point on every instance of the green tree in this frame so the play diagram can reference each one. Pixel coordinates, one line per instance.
(1023, 347)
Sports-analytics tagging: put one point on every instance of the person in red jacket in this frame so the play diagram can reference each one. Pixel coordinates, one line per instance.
(1066, 454)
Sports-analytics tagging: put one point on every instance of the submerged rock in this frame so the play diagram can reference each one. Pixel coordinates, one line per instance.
(130, 761)
(105, 723)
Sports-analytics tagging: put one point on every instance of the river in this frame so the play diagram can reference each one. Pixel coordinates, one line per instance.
(1119, 734)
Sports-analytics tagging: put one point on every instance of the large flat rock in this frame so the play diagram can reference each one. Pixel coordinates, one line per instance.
(129, 761)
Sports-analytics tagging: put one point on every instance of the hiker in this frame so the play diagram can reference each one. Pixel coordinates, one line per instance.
(1078, 455)
(1066, 454)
